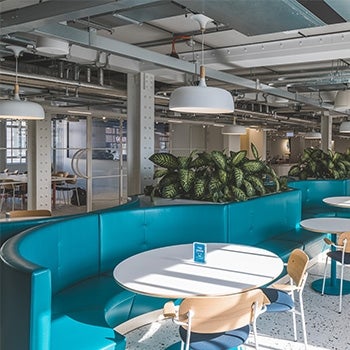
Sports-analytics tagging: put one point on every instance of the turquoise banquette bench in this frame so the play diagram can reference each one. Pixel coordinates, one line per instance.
(57, 289)
(313, 192)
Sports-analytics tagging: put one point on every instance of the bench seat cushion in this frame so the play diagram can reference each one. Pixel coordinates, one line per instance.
(102, 302)
(70, 334)
(320, 212)
(281, 247)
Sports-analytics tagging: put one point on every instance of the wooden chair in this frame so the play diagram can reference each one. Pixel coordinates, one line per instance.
(341, 254)
(7, 190)
(27, 213)
(67, 186)
(281, 296)
(217, 322)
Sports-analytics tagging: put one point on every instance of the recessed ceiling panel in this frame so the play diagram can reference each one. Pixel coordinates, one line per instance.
(256, 17)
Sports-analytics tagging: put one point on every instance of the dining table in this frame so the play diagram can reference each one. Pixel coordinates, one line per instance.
(333, 226)
(171, 271)
(339, 201)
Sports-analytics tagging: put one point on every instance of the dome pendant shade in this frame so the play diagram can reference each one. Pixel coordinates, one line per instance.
(233, 130)
(18, 109)
(345, 127)
(201, 99)
(342, 101)
(313, 135)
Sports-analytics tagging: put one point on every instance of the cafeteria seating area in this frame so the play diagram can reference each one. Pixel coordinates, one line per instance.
(325, 327)
(175, 175)
(81, 286)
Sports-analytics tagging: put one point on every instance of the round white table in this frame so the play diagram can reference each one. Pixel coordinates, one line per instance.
(340, 202)
(334, 226)
(170, 272)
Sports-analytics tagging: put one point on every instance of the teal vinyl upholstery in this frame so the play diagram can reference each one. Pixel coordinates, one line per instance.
(57, 288)
(313, 192)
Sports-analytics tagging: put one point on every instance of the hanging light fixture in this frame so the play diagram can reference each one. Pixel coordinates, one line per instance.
(312, 135)
(342, 101)
(234, 129)
(17, 108)
(345, 127)
(201, 99)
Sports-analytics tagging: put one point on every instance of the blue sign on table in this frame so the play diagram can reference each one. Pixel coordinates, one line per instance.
(199, 252)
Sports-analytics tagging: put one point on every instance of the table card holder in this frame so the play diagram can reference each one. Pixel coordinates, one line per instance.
(199, 252)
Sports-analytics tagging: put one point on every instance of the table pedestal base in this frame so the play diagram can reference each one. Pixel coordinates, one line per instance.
(331, 288)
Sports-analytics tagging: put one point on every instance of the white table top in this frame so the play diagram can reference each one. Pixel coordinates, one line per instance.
(326, 225)
(170, 272)
(341, 201)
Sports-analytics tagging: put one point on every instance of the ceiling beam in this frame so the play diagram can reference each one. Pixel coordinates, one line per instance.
(92, 40)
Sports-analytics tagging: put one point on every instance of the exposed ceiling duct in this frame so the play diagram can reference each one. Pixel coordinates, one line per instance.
(300, 55)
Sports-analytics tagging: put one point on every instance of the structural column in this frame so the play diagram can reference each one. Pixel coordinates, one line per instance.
(232, 143)
(140, 131)
(3, 145)
(39, 164)
(326, 131)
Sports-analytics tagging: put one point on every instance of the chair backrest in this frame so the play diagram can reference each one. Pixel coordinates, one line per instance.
(297, 265)
(341, 241)
(6, 184)
(72, 179)
(27, 213)
(223, 313)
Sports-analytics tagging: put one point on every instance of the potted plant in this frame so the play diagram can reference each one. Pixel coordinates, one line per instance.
(214, 176)
(317, 164)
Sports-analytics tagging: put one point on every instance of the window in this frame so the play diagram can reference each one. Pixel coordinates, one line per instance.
(16, 142)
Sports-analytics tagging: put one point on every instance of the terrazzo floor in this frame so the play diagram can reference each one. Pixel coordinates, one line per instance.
(326, 329)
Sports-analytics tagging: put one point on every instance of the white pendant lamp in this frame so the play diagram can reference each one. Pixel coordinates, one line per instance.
(312, 135)
(201, 99)
(234, 129)
(17, 108)
(345, 127)
(342, 101)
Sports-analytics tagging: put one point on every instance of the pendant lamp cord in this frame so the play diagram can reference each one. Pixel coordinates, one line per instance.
(16, 77)
(202, 29)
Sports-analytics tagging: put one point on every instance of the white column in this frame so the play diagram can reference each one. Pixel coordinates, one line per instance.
(140, 131)
(232, 143)
(326, 131)
(3, 145)
(39, 164)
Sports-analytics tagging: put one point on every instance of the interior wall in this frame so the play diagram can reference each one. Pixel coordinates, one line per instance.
(341, 144)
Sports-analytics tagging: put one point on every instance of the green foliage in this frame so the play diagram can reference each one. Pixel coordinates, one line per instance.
(317, 164)
(213, 176)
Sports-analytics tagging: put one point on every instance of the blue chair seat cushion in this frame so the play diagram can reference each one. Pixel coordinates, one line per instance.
(280, 301)
(216, 341)
(337, 255)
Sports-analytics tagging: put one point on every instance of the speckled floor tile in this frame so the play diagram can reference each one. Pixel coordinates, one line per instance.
(326, 329)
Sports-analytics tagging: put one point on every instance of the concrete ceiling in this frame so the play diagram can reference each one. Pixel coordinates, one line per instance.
(259, 50)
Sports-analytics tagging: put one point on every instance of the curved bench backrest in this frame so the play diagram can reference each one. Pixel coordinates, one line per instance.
(125, 233)
(313, 191)
(69, 249)
(260, 218)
